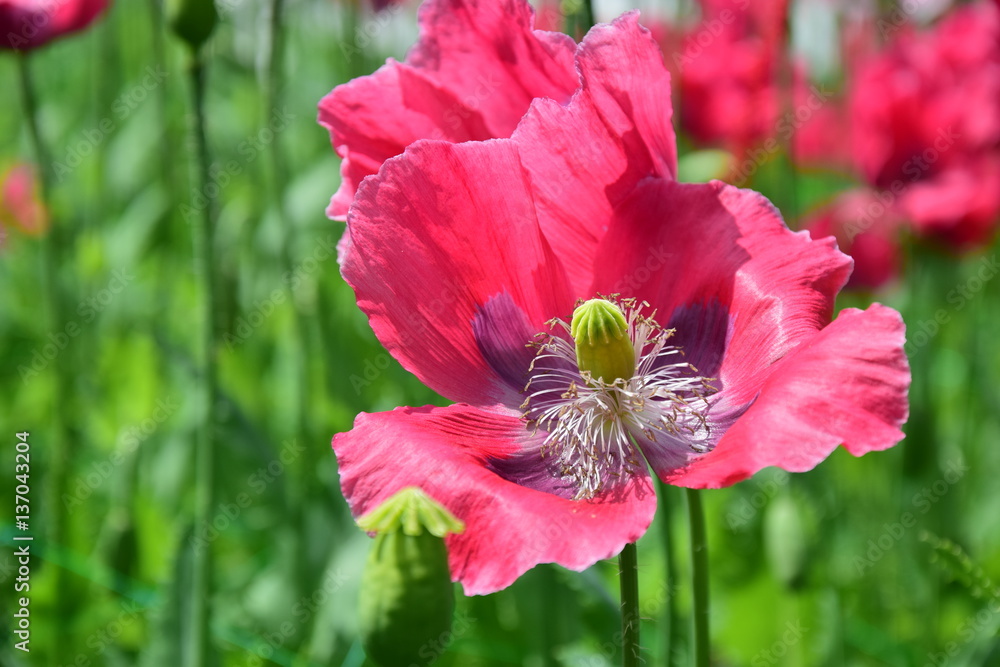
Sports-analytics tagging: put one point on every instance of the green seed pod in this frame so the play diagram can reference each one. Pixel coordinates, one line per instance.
(192, 20)
(407, 598)
(600, 332)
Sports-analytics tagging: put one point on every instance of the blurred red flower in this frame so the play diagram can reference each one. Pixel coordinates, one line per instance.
(866, 229)
(21, 206)
(925, 118)
(729, 68)
(29, 24)
(464, 253)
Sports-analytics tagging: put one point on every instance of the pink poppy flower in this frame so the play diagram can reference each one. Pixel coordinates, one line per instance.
(464, 255)
(866, 228)
(728, 68)
(20, 203)
(959, 206)
(29, 24)
(926, 117)
(449, 87)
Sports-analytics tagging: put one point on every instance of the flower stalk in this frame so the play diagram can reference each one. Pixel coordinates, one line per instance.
(672, 636)
(278, 186)
(699, 570)
(628, 564)
(204, 240)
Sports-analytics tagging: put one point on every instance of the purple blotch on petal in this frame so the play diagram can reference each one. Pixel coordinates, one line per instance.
(702, 331)
(502, 334)
(530, 469)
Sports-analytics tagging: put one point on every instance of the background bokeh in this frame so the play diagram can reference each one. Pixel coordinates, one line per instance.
(888, 559)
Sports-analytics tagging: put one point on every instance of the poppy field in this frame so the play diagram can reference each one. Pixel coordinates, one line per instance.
(574, 334)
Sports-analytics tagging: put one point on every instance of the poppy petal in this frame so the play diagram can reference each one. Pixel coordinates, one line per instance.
(712, 247)
(473, 74)
(586, 156)
(432, 246)
(847, 386)
(453, 454)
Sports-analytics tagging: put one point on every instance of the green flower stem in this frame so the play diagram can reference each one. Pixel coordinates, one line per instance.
(673, 639)
(168, 160)
(278, 183)
(303, 488)
(578, 17)
(204, 240)
(699, 570)
(61, 396)
(588, 15)
(628, 564)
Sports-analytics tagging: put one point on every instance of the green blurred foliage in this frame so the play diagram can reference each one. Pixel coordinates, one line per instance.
(824, 568)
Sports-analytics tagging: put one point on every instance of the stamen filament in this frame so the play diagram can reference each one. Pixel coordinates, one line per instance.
(594, 427)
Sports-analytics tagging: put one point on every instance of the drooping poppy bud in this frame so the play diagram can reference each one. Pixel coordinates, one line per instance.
(192, 20)
(407, 597)
(603, 346)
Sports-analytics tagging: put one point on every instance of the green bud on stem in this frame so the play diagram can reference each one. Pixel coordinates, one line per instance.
(192, 20)
(407, 598)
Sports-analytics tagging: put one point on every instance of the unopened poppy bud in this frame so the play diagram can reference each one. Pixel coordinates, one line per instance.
(407, 598)
(192, 20)
(602, 342)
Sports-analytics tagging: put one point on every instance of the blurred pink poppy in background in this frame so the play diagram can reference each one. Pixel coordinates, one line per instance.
(21, 206)
(867, 230)
(729, 72)
(925, 122)
(29, 24)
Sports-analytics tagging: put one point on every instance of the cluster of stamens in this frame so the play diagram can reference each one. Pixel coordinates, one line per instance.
(595, 429)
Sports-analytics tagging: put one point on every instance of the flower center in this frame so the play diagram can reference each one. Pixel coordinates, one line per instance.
(618, 391)
(603, 347)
